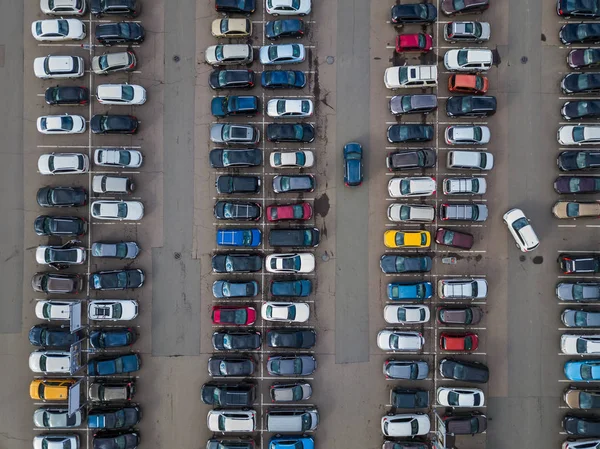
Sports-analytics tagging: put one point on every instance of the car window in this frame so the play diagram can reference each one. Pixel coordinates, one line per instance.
(474, 425)
(462, 57)
(127, 92)
(414, 427)
(401, 314)
(300, 157)
(298, 211)
(574, 184)
(586, 371)
(423, 238)
(483, 161)
(285, 183)
(465, 105)
(297, 365)
(291, 312)
(421, 290)
(240, 316)
(477, 133)
(572, 209)
(291, 76)
(422, 41)
(404, 212)
(117, 310)
(394, 339)
(272, 52)
(468, 343)
(399, 239)
(479, 83)
(224, 25)
(405, 187)
(298, 132)
(581, 345)
(403, 74)
(63, 27)
(296, 4)
(219, 52)
(296, 51)
(124, 29)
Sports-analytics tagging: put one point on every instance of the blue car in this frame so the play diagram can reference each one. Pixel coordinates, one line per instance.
(292, 442)
(114, 337)
(234, 105)
(298, 288)
(239, 237)
(227, 289)
(118, 418)
(410, 290)
(353, 166)
(112, 365)
(283, 79)
(583, 370)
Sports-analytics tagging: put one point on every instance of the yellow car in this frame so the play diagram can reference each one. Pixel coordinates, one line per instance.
(231, 28)
(50, 389)
(406, 239)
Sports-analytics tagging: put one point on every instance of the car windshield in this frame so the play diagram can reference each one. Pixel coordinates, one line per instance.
(453, 398)
(394, 339)
(291, 76)
(285, 183)
(296, 51)
(400, 265)
(298, 211)
(222, 78)
(414, 427)
(297, 365)
(291, 313)
(580, 318)
(305, 106)
(224, 25)
(520, 223)
(300, 158)
(281, 106)
(448, 237)
(121, 210)
(477, 133)
(122, 279)
(422, 41)
(296, 4)
(479, 83)
(574, 184)
(276, 366)
(228, 210)
(272, 52)
(586, 371)
(117, 311)
(298, 132)
(43, 360)
(219, 52)
(586, 400)
(277, 27)
(578, 133)
(578, 291)
(423, 238)
(459, 371)
(124, 157)
(583, 31)
(589, 56)
(403, 75)
(458, 4)
(421, 290)
(399, 239)
(462, 57)
(406, 103)
(124, 29)
(246, 238)
(414, 371)
(127, 92)
(237, 316)
(401, 314)
(465, 104)
(405, 187)
(468, 343)
(404, 212)
(572, 209)
(66, 122)
(581, 345)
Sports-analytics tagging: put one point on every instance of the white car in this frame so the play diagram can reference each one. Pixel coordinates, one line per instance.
(58, 30)
(287, 108)
(231, 420)
(407, 425)
(56, 441)
(58, 67)
(593, 443)
(63, 163)
(50, 362)
(45, 255)
(415, 213)
(296, 159)
(291, 312)
(282, 54)
(578, 135)
(468, 60)
(113, 310)
(467, 135)
(288, 7)
(464, 186)
(118, 157)
(400, 341)
(412, 186)
(460, 397)
(112, 184)
(290, 263)
(63, 7)
(61, 124)
(520, 228)
(53, 310)
(406, 314)
(124, 94)
(117, 210)
(56, 418)
(580, 344)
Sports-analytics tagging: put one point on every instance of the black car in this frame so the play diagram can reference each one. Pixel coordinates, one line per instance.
(223, 157)
(129, 8)
(580, 426)
(114, 337)
(292, 132)
(405, 264)
(409, 133)
(581, 83)
(230, 443)
(227, 184)
(114, 418)
(413, 104)
(117, 279)
(231, 79)
(60, 226)
(470, 106)
(464, 371)
(454, 7)
(578, 160)
(53, 337)
(297, 237)
(283, 79)
(296, 288)
(120, 33)
(232, 210)
(230, 366)
(276, 29)
(411, 159)
(291, 338)
(580, 33)
(241, 6)
(236, 263)
(110, 440)
(585, 109)
(293, 183)
(414, 13)
(584, 9)
(409, 398)
(61, 197)
(234, 105)
(234, 340)
(577, 184)
(67, 95)
(114, 124)
(580, 263)
(583, 58)
(228, 395)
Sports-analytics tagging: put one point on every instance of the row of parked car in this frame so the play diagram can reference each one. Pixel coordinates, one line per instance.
(111, 413)
(237, 339)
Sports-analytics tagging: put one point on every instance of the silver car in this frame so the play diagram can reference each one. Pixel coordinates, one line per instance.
(282, 54)
(290, 392)
(121, 250)
(578, 291)
(56, 418)
(114, 62)
(56, 441)
(230, 133)
(467, 32)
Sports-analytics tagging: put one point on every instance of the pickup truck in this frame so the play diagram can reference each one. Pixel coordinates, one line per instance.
(120, 418)
(239, 237)
(409, 398)
(463, 288)
(464, 186)
(225, 395)
(294, 237)
(238, 184)
(464, 212)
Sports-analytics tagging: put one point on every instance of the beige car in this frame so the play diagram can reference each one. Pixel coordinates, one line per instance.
(573, 209)
(231, 27)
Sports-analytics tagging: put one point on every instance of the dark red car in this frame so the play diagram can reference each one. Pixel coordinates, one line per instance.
(465, 341)
(298, 211)
(414, 42)
(235, 315)
(455, 239)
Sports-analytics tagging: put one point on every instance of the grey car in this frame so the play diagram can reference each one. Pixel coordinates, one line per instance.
(122, 250)
(293, 183)
(578, 291)
(56, 418)
(230, 133)
(405, 369)
(291, 365)
(290, 392)
(413, 104)
(580, 318)
(467, 32)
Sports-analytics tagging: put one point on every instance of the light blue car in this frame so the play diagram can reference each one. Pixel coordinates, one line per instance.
(292, 442)
(410, 291)
(583, 370)
(239, 237)
(282, 54)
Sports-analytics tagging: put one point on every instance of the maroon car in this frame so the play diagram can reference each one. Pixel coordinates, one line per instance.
(577, 184)
(583, 58)
(456, 239)
(459, 315)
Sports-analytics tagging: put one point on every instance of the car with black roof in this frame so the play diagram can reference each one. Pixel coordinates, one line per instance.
(413, 104)
(583, 58)
(231, 184)
(409, 133)
(463, 370)
(277, 29)
(584, 109)
(228, 395)
(52, 337)
(231, 443)
(578, 160)
(580, 33)
(237, 210)
(61, 197)
(60, 226)
(578, 9)
(283, 79)
(128, 8)
(236, 263)
(235, 6)
(231, 366)
(580, 83)
(294, 237)
(392, 263)
(579, 263)
(234, 105)
(409, 398)
(225, 158)
(236, 340)
(290, 132)
(416, 13)
(120, 33)
(293, 288)
(291, 338)
(117, 279)
(411, 159)
(114, 124)
(67, 95)
(231, 79)
(129, 439)
(471, 106)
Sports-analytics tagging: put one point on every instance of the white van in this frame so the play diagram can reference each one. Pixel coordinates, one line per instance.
(422, 76)
(112, 184)
(471, 160)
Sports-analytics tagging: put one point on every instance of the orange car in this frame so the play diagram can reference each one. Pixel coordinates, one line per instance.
(50, 389)
(468, 84)
(466, 341)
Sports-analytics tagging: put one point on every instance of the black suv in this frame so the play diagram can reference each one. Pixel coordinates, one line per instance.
(241, 6)
(303, 237)
(61, 226)
(129, 8)
(231, 79)
(237, 184)
(414, 13)
(61, 197)
(120, 33)
(114, 124)
(67, 95)
(470, 106)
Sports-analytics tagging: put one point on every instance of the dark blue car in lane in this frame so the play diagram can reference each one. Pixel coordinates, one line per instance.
(353, 167)
(298, 288)
(234, 105)
(276, 29)
(283, 79)
(53, 337)
(113, 365)
(112, 338)
(228, 289)
(405, 264)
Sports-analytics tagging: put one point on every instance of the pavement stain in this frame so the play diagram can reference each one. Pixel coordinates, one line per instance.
(321, 205)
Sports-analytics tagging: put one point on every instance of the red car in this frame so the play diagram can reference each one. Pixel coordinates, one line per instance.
(235, 315)
(455, 239)
(414, 42)
(298, 211)
(466, 341)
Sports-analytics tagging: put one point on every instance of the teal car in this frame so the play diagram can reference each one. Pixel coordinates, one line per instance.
(403, 291)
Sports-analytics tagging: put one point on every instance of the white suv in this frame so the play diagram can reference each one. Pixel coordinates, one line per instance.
(468, 60)
(63, 163)
(231, 420)
(124, 94)
(56, 67)
(521, 230)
